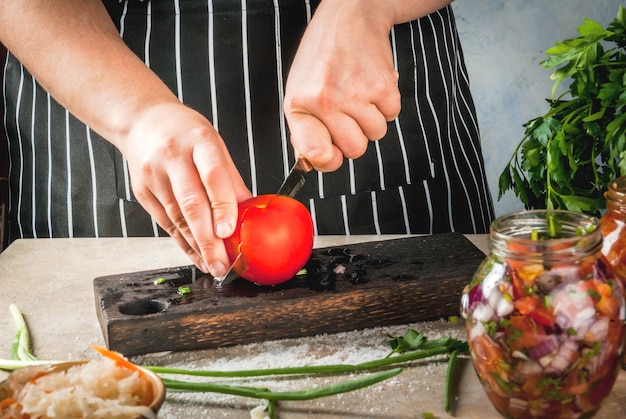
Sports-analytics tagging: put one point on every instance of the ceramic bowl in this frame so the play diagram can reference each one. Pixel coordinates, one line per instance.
(27, 373)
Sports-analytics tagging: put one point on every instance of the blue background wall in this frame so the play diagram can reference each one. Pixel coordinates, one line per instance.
(504, 41)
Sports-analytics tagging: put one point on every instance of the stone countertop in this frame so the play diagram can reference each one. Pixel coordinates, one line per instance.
(51, 281)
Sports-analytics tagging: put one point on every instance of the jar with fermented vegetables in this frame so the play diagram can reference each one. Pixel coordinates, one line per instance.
(544, 316)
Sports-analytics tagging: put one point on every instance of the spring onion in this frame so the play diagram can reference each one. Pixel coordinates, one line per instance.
(449, 373)
(21, 345)
(404, 349)
(263, 393)
(312, 369)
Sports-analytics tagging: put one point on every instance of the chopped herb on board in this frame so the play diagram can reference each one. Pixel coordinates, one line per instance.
(184, 290)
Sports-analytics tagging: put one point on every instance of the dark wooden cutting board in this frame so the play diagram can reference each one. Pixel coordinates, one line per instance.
(385, 282)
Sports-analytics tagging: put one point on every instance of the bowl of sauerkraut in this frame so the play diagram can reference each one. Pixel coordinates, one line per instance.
(110, 388)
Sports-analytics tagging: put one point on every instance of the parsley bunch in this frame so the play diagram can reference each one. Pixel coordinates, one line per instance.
(568, 156)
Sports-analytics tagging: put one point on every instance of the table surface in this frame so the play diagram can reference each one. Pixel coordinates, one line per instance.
(51, 281)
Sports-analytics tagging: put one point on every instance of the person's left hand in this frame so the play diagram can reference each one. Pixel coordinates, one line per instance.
(183, 175)
(342, 86)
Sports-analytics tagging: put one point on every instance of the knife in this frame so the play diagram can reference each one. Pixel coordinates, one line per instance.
(291, 185)
(296, 177)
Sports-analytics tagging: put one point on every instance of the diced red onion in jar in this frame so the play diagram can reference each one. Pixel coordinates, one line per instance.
(573, 307)
(599, 359)
(530, 368)
(475, 296)
(546, 360)
(583, 321)
(566, 273)
(599, 329)
(547, 347)
(567, 354)
(556, 366)
(477, 330)
(483, 313)
(493, 278)
(504, 307)
(517, 407)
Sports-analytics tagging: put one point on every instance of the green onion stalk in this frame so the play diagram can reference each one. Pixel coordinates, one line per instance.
(411, 347)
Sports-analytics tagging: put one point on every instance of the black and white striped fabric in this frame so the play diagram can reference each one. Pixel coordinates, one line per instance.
(229, 60)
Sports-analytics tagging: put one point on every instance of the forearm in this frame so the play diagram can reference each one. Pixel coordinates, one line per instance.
(407, 10)
(75, 52)
(385, 12)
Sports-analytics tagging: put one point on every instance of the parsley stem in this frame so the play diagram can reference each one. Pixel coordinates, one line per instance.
(552, 228)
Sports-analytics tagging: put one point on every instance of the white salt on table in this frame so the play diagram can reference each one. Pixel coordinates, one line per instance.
(423, 378)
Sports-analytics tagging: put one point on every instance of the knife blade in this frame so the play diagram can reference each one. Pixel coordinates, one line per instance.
(291, 185)
(296, 177)
(230, 274)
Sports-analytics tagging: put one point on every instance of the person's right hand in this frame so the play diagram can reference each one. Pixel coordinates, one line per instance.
(342, 87)
(183, 175)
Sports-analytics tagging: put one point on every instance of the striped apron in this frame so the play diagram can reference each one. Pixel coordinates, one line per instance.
(229, 60)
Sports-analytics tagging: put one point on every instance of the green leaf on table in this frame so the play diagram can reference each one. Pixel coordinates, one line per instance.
(413, 340)
(410, 341)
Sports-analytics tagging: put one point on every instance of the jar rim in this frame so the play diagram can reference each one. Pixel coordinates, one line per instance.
(616, 190)
(539, 217)
(543, 235)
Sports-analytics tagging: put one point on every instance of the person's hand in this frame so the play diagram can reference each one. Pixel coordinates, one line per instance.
(342, 86)
(183, 175)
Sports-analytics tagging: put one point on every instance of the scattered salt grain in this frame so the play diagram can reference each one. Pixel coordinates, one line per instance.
(351, 347)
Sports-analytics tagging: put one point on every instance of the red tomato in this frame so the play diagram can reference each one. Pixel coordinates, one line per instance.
(275, 237)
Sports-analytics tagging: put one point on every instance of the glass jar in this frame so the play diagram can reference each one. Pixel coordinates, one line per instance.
(544, 316)
(613, 226)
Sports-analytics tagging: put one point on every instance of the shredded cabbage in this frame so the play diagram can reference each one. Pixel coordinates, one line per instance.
(96, 389)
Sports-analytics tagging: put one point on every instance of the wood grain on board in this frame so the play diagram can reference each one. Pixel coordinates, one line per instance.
(354, 287)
